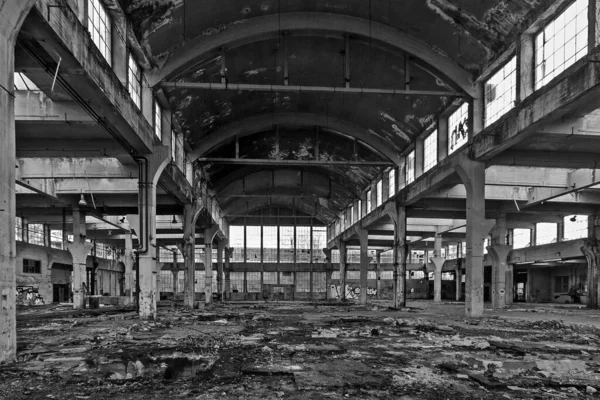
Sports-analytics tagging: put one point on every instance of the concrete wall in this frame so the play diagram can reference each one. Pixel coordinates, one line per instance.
(109, 274)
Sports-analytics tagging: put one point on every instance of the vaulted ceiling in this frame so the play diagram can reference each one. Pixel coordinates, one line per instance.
(424, 45)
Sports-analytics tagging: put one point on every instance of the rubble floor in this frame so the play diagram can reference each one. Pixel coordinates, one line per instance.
(303, 350)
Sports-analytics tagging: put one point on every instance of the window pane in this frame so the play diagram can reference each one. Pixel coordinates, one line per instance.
(369, 201)
(319, 243)
(392, 182)
(157, 120)
(303, 244)
(270, 244)
(576, 227)
(410, 167)
(430, 151)
(500, 92)
(134, 81)
(100, 28)
(236, 240)
(521, 238)
(253, 245)
(286, 244)
(560, 44)
(379, 193)
(545, 233)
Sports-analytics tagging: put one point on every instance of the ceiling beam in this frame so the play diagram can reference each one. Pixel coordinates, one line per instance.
(254, 161)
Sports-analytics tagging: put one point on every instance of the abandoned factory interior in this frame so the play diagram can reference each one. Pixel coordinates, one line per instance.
(299, 199)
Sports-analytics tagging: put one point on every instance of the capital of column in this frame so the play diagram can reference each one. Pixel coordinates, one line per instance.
(499, 253)
(438, 262)
(79, 251)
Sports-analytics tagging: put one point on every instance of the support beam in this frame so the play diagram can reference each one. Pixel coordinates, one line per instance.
(73, 168)
(254, 161)
(577, 180)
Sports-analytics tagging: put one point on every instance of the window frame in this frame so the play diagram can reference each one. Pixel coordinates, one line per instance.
(36, 267)
(135, 91)
(430, 158)
(157, 116)
(410, 162)
(508, 104)
(101, 35)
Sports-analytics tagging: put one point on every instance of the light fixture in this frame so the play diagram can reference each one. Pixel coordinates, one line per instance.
(122, 220)
(174, 220)
(82, 201)
(573, 218)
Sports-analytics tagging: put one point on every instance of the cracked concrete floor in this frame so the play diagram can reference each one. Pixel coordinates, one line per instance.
(306, 350)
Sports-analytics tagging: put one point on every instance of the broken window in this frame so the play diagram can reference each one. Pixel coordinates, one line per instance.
(545, 233)
(22, 82)
(410, 167)
(286, 278)
(500, 92)
(100, 28)
(236, 280)
(32, 266)
(430, 156)
(35, 234)
(561, 43)
(575, 227)
(458, 128)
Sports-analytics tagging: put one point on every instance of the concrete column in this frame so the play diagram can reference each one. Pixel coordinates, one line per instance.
(79, 250)
(458, 279)
(438, 262)
(500, 283)
(156, 163)
(363, 238)
(208, 237)
(378, 274)
(128, 261)
(342, 280)
(591, 250)
(220, 249)
(227, 289)
(328, 272)
(188, 250)
(175, 273)
(398, 216)
(472, 174)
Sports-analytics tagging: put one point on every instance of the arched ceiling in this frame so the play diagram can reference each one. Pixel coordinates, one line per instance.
(424, 45)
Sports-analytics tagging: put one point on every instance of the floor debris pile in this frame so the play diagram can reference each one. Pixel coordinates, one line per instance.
(303, 350)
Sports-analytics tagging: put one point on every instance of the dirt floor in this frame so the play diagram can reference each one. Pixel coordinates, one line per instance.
(306, 351)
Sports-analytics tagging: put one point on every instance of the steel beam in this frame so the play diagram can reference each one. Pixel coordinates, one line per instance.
(254, 161)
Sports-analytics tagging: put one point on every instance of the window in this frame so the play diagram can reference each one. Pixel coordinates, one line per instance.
(22, 82)
(447, 276)
(410, 167)
(18, 228)
(286, 244)
(32, 266)
(452, 251)
(379, 193)
(576, 227)
(173, 146)
(35, 234)
(303, 239)
(369, 202)
(134, 81)
(521, 238)
(500, 92)
(253, 282)
(236, 240)
(561, 284)
(319, 234)
(56, 239)
(319, 282)
(360, 209)
(352, 215)
(335, 256)
(392, 183)
(545, 233)
(165, 281)
(253, 244)
(458, 128)
(561, 43)
(302, 282)
(430, 151)
(270, 244)
(157, 120)
(99, 26)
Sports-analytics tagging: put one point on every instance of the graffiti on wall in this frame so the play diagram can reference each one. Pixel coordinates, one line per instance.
(29, 296)
(352, 291)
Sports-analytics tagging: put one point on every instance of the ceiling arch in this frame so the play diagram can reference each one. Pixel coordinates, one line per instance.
(259, 27)
(259, 123)
(341, 181)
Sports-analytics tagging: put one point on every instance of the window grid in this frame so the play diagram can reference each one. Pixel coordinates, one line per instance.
(352, 215)
(319, 282)
(134, 81)
(165, 282)
(32, 266)
(253, 282)
(253, 244)
(379, 193)
(236, 282)
(100, 28)
(369, 202)
(360, 209)
(430, 151)
(392, 183)
(303, 282)
(286, 244)
(410, 167)
(303, 249)
(458, 128)
(19, 228)
(501, 92)
(35, 234)
(270, 244)
(270, 278)
(561, 43)
(157, 120)
(56, 239)
(236, 240)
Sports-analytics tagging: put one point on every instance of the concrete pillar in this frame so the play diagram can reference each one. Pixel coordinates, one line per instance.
(398, 216)
(328, 272)
(156, 163)
(79, 250)
(459, 278)
(208, 237)
(175, 273)
(472, 174)
(591, 251)
(128, 261)
(342, 280)
(438, 262)
(378, 274)
(188, 249)
(227, 289)
(363, 238)
(500, 283)
(220, 249)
